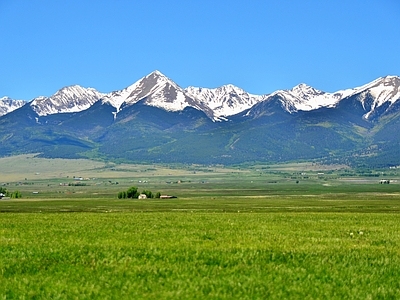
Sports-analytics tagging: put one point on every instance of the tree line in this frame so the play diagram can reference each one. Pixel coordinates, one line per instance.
(133, 193)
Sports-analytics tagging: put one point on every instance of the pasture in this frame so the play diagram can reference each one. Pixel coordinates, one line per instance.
(296, 231)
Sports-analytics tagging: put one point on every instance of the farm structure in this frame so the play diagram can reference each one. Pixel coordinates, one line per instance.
(384, 181)
(167, 197)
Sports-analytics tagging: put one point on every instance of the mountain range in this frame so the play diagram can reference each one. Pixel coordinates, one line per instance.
(155, 120)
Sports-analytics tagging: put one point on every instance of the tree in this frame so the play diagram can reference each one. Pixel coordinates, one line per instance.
(4, 191)
(148, 194)
(158, 195)
(132, 192)
(16, 195)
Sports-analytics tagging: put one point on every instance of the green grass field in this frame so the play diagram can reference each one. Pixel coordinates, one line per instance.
(287, 232)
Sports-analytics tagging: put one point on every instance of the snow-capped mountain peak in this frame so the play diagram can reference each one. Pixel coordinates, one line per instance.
(226, 100)
(305, 91)
(69, 99)
(304, 97)
(384, 90)
(157, 90)
(8, 105)
(150, 85)
(138, 91)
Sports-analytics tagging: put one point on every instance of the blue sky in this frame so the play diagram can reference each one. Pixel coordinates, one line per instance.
(258, 45)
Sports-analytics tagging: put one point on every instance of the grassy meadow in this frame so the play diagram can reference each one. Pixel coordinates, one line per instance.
(294, 231)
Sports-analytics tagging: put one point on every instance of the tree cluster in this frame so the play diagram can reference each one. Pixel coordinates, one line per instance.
(133, 193)
(16, 194)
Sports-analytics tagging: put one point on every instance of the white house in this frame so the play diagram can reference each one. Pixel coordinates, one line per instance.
(142, 196)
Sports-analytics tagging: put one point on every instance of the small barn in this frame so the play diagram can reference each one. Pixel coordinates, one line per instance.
(142, 196)
(167, 197)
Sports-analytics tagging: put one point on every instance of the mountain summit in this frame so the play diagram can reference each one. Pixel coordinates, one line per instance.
(156, 90)
(69, 99)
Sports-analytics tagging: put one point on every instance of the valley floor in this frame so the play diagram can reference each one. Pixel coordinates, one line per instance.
(282, 232)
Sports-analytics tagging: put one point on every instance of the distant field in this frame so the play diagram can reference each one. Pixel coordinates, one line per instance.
(286, 231)
(31, 167)
(39, 178)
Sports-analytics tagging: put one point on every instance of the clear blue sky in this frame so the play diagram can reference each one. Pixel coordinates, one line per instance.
(258, 45)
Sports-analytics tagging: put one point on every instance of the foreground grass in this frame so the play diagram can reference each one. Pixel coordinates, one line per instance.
(196, 255)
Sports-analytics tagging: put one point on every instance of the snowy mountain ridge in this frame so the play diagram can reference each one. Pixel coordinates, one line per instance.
(69, 99)
(226, 100)
(157, 90)
(305, 98)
